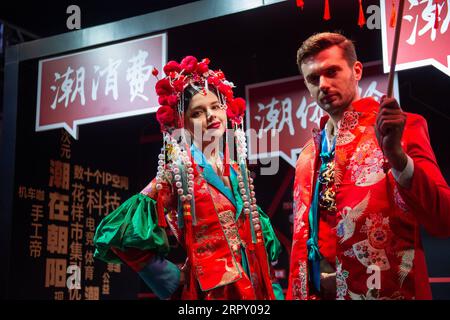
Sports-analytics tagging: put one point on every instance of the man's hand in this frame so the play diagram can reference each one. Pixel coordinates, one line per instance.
(389, 128)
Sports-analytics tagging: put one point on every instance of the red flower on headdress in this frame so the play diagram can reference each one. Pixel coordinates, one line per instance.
(162, 100)
(202, 68)
(189, 64)
(171, 66)
(213, 80)
(236, 109)
(155, 72)
(225, 89)
(229, 95)
(220, 75)
(178, 85)
(163, 87)
(171, 100)
(165, 116)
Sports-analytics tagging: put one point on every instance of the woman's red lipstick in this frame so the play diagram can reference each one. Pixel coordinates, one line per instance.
(214, 125)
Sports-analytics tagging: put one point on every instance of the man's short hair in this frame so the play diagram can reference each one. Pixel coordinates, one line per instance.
(321, 41)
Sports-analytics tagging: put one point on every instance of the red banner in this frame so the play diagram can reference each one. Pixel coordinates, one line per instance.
(282, 113)
(424, 38)
(101, 84)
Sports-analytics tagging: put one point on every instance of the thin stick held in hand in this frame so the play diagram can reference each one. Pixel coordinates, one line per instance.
(398, 27)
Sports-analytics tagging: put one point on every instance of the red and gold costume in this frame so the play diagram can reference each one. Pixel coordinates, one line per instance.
(224, 233)
(223, 262)
(376, 223)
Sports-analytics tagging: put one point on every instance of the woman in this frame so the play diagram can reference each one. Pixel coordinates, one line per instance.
(207, 202)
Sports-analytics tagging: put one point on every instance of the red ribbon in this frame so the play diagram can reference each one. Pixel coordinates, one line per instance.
(160, 209)
(226, 160)
(326, 13)
(361, 18)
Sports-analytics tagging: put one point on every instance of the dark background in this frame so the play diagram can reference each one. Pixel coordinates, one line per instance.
(250, 47)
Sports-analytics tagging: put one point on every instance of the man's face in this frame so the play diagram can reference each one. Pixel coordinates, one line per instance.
(331, 81)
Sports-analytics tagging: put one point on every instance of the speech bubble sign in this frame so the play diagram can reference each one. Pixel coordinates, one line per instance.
(281, 114)
(420, 44)
(100, 84)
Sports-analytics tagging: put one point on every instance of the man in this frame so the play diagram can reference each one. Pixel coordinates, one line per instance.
(364, 184)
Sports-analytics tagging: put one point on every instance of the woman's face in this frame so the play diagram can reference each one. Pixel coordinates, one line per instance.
(205, 115)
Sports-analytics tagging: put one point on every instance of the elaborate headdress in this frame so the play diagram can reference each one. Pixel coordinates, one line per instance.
(175, 161)
(190, 72)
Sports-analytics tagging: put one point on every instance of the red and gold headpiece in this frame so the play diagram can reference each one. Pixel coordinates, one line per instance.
(175, 163)
(191, 72)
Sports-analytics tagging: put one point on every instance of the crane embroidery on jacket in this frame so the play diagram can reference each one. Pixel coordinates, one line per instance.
(346, 227)
(230, 273)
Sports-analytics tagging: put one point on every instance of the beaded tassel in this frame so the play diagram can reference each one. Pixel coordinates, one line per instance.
(246, 187)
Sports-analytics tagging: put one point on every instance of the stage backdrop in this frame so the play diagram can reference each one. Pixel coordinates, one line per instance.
(65, 186)
(128, 147)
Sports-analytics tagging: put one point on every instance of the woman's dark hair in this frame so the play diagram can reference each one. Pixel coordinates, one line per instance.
(190, 92)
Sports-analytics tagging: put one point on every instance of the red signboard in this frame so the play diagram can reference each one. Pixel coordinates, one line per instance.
(101, 84)
(423, 40)
(282, 113)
